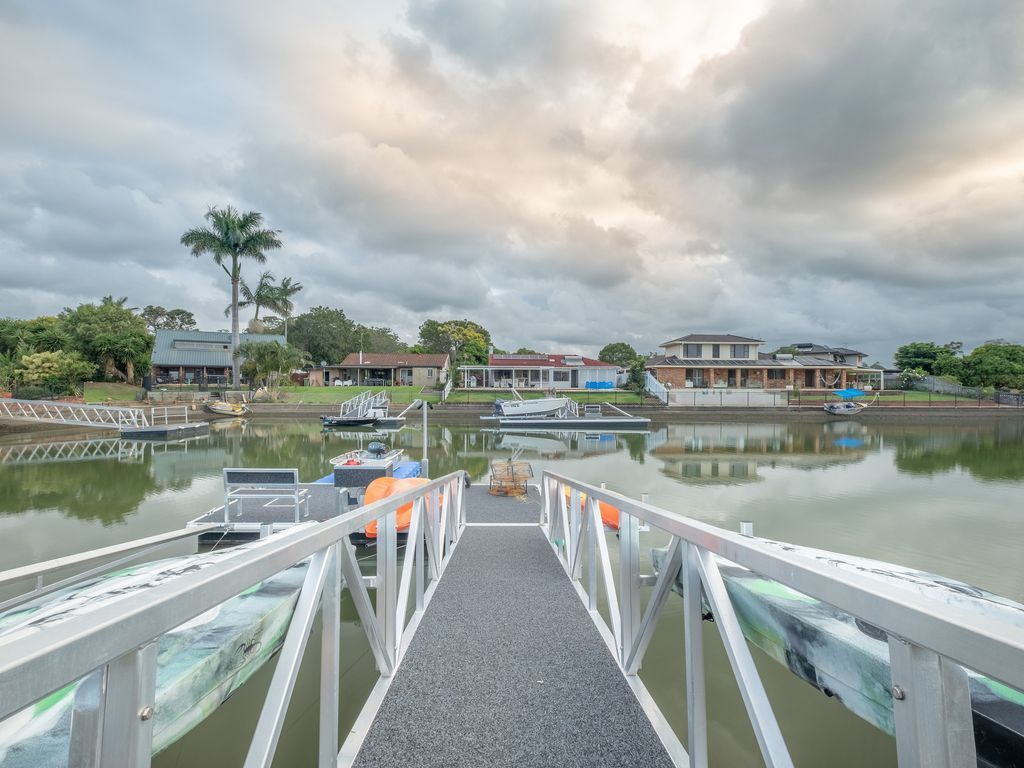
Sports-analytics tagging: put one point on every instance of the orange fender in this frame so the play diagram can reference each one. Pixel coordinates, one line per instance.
(609, 514)
(382, 488)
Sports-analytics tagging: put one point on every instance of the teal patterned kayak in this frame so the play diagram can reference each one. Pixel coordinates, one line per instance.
(848, 659)
(199, 664)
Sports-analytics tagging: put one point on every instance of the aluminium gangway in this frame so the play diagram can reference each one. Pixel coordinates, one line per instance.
(88, 415)
(488, 654)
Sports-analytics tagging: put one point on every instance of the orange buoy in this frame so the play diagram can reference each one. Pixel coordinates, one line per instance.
(382, 488)
(609, 514)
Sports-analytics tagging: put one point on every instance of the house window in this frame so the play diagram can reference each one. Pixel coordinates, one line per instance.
(776, 374)
(560, 376)
(430, 373)
(740, 351)
(696, 375)
(716, 351)
(691, 350)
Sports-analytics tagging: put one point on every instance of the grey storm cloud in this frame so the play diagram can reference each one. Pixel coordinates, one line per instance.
(567, 173)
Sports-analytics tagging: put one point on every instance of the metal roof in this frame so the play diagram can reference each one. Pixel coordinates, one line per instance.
(706, 338)
(166, 354)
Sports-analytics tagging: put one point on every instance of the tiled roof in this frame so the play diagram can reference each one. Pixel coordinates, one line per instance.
(166, 353)
(797, 362)
(393, 360)
(545, 361)
(713, 338)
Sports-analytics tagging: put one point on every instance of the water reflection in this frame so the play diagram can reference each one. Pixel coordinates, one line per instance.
(106, 480)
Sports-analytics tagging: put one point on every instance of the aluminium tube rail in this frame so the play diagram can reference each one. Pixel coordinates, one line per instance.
(928, 639)
(113, 647)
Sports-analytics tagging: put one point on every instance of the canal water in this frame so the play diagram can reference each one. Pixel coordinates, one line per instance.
(942, 498)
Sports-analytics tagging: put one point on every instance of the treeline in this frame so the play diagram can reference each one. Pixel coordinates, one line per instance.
(107, 340)
(996, 363)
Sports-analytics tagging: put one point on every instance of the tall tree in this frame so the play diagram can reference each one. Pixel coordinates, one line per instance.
(262, 296)
(379, 339)
(618, 353)
(282, 300)
(919, 354)
(464, 339)
(325, 333)
(231, 237)
(157, 317)
(110, 335)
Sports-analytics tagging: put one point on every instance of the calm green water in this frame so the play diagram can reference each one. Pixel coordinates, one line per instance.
(943, 498)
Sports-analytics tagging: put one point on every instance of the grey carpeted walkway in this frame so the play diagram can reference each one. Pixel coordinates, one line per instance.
(481, 507)
(507, 669)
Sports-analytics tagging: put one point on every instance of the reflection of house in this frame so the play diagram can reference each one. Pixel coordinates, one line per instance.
(184, 357)
(726, 361)
(392, 369)
(541, 371)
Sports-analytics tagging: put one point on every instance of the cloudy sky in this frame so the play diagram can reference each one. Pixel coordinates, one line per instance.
(566, 173)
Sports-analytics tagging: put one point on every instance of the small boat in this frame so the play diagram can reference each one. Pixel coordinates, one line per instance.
(847, 406)
(375, 456)
(519, 408)
(348, 421)
(360, 417)
(224, 408)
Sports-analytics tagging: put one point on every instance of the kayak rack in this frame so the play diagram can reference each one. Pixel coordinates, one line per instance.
(530, 573)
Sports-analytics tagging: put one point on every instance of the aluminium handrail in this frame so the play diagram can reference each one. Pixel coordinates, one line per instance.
(928, 638)
(982, 643)
(31, 667)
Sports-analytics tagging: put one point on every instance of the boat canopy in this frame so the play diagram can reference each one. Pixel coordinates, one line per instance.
(846, 394)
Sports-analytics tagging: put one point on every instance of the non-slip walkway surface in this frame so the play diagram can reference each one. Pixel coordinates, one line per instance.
(507, 669)
(481, 507)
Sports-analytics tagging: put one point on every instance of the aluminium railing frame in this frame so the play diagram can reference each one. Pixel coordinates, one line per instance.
(113, 648)
(928, 639)
(78, 414)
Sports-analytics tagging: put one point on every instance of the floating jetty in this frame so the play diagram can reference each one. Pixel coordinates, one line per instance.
(509, 631)
(592, 419)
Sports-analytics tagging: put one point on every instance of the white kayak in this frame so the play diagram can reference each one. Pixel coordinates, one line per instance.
(199, 664)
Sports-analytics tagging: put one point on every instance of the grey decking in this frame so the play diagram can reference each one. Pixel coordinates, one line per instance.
(507, 667)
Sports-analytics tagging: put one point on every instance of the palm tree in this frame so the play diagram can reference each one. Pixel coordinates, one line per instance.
(262, 297)
(232, 236)
(282, 301)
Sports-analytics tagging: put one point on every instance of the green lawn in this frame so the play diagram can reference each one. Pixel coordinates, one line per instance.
(102, 391)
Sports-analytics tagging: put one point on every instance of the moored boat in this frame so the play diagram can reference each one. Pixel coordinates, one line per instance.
(224, 408)
(847, 406)
(518, 409)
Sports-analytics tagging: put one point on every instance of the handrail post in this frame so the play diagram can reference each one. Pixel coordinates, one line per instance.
(330, 661)
(387, 586)
(129, 695)
(696, 698)
(629, 581)
(931, 708)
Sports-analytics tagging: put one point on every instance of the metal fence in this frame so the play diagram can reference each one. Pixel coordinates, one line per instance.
(929, 639)
(113, 648)
(655, 387)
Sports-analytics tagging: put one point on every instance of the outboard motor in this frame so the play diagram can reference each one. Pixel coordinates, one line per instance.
(376, 449)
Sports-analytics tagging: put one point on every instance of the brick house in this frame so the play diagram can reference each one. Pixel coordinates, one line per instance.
(725, 361)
